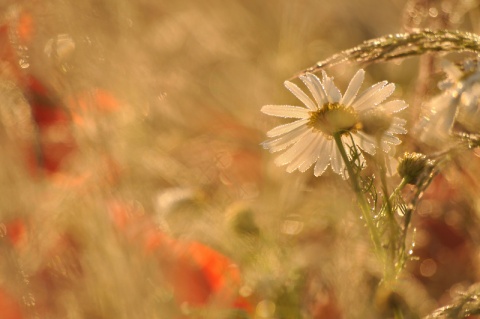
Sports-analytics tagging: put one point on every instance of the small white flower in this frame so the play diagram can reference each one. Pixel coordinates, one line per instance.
(459, 103)
(309, 138)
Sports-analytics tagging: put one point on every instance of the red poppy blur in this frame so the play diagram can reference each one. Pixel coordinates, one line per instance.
(9, 306)
(16, 232)
(25, 27)
(198, 274)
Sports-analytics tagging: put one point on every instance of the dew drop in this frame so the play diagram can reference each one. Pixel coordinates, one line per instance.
(23, 63)
(292, 227)
(29, 300)
(433, 12)
(26, 280)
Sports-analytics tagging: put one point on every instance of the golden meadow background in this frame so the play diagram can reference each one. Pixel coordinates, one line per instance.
(163, 124)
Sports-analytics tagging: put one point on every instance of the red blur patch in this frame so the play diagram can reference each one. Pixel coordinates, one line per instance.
(9, 306)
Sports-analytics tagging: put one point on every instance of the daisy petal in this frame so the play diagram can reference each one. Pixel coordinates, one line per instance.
(399, 121)
(387, 138)
(318, 87)
(323, 158)
(333, 93)
(386, 147)
(286, 111)
(312, 154)
(367, 94)
(365, 142)
(289, 155)
(397, 130)
(353, 88)
(301, 156)
(300, 95)
(286, 140)
(285, 128)
(397, 126)
(377, 98)
(336, 160)
(315, 86)
(395, 106)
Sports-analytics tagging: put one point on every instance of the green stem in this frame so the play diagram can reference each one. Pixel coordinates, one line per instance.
(399, 188)
(397, 313)
(396, 240)
(392, 223)
(362, 201)
(402, 252)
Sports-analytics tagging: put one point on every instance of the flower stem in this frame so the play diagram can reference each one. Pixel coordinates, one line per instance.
(399, 188)
(362, 201)
(393, 227)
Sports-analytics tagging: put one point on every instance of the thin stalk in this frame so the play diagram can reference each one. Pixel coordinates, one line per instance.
(399, 188)
(392, 223)
(397, 313)
(362, 201)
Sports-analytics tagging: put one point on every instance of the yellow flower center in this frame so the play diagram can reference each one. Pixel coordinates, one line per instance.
(334, 118)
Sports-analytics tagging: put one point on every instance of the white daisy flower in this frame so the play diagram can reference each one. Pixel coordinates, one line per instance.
(309, 138)
(459, 103)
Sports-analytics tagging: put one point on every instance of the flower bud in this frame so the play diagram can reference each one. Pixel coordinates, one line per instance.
(241, 220)
(412, 165)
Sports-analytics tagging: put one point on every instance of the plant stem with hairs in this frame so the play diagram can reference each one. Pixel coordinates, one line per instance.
(362, 201)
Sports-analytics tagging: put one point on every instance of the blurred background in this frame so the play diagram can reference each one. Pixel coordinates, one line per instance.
(134, 185)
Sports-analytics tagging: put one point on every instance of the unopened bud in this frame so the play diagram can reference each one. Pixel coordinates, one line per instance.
(412, 165)
(241, 220)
